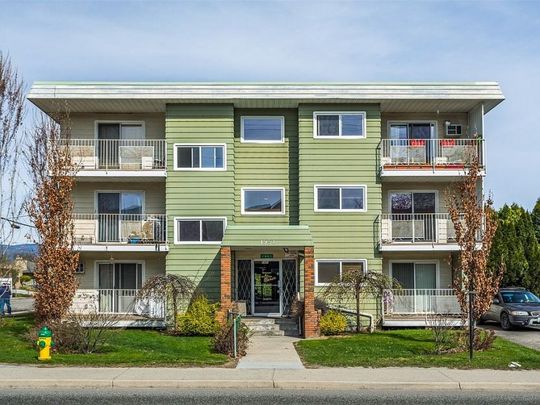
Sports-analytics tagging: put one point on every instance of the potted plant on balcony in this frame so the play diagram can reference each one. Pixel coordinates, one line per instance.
(135, 237)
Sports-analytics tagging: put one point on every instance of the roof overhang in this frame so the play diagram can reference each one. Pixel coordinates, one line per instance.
(128, 97)
(267, 236)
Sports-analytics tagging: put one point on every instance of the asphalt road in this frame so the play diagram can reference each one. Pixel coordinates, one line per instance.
(529, 337)
(261, 397)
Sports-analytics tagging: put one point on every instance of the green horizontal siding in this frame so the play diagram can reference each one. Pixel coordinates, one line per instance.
(341, 235)
(267, 236)
(199, 193)
(268, 165)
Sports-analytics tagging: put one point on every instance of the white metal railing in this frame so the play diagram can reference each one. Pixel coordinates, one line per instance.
(418, 228)
(120, 228)
(420, 301)
(431, 152)
(125, 301)
(118, 154)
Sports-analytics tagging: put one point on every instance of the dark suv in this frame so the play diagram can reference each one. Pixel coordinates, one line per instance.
(514, 307)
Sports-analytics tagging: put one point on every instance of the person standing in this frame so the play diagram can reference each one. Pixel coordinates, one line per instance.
(3, 291)
(7, 299)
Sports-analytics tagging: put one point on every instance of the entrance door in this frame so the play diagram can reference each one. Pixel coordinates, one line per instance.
(266, 288)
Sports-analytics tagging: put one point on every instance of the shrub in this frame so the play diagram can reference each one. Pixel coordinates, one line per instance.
(199, 319)
(333, 323)
(25, 279)
(224, 340)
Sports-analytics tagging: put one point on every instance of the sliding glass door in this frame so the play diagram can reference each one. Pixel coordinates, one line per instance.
(413, 218)
(411, 142)
(111, 136)
(118, 285)
(415, 275)
(118, 213)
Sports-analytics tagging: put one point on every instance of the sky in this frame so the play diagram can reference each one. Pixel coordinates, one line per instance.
(334, 41)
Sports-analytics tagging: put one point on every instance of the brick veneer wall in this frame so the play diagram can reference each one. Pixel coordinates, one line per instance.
(311, 317)
(225, 287)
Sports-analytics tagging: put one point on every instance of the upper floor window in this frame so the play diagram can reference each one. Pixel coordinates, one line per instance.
(199, 157)
(332, 271)
(120, 130)
(263, 201)
(266, 129)
(340, 198)
(199, 230)
(339, 124)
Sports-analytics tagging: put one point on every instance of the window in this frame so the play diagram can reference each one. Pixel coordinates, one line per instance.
(415, 275)
(328, 271)
(339, 125)
(262, 129)
(199, 230)
(263, 201)
(340, 198)
(453, 130)
(199, 157)
(411, 130)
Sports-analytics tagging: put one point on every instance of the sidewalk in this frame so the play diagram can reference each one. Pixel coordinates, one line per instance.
(275, 352)
(323, 378)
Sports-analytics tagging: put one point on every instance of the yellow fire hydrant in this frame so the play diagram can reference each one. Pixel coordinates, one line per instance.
(45, 343)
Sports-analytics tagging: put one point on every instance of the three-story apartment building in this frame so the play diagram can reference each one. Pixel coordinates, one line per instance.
(260, 192)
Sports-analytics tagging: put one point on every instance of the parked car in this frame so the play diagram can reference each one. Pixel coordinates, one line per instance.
(514, 307)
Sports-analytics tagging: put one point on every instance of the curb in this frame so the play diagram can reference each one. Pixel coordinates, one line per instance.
(268, 383)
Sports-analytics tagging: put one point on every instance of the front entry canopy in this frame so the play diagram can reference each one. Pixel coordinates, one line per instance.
(267, 236)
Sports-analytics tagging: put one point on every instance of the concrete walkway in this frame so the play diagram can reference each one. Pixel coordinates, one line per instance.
(275, 352)
(29, 377)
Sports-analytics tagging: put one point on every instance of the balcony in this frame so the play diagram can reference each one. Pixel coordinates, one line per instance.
(118, 157)
(417, 232)
(412, 307)
(121, 307)
(426, 158)
(120, 232)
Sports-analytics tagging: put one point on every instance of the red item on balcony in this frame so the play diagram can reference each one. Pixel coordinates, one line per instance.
(448, 143)
(417, 143)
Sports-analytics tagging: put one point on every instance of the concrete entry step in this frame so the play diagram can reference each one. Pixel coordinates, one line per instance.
(271, 326)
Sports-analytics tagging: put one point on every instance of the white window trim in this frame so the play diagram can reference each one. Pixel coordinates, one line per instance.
(341, 261)
(436, 262)
(176, 235)
(340, 114)
(281, 118)
(340, 186)
(127, 122)
(199, 169)
(283, 201)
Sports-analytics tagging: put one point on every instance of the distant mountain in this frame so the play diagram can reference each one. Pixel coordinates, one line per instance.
(24, 249)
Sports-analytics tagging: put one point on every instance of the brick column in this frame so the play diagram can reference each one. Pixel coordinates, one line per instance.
(311, 321)
(225, 286)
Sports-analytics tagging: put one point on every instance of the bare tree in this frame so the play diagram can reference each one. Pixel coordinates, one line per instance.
(168, 288)
(11, 119)
(475, 223)
(51, 210)
(358, 284)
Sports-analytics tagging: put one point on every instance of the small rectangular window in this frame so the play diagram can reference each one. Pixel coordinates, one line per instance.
(340, 198)
(263, 201)
(262, 129)
(199, 230)
(453, 130)
(334, 271)
(339, 124)
(200, 157)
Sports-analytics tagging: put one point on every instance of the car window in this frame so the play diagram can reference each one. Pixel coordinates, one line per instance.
(519, 297)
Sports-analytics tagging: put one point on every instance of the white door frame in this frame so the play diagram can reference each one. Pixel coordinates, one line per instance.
(280, 288)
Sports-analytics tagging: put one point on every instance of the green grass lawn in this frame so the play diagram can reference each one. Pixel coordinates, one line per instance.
(412, 347)
(128, 347)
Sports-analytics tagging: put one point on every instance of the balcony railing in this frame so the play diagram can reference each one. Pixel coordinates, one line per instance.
(125, 301)
(437, 153)
(120, 228)
(417, 229)
(420, 301)
(118, 154)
